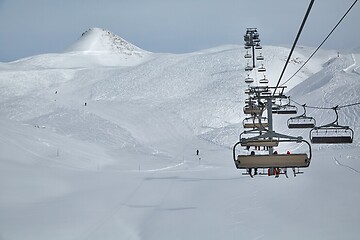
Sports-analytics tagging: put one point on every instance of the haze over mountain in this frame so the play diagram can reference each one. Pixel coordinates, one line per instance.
(100, 141)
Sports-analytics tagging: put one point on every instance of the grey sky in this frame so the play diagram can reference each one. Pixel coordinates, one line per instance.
(30, 27)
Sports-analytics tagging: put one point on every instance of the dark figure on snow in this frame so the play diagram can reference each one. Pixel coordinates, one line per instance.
(197, 152)
(255, 169)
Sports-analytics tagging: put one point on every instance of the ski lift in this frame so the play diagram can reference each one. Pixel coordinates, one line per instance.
(271, 139)
(262, 68)
(247, 55)
(249, 79)
(264, 80)
(258, 46)
(332, 133)
(248, 68)
(301, 121)
(260, 57)
(247, 47)
(255, 122)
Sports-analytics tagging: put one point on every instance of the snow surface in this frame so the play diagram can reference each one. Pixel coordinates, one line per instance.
(125, 167)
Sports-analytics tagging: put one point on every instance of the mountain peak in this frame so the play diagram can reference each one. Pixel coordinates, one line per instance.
(102, 40)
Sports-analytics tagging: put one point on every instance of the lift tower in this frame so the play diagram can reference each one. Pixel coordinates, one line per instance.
(252, 41)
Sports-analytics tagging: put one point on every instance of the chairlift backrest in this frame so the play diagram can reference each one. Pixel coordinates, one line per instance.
(269, 161)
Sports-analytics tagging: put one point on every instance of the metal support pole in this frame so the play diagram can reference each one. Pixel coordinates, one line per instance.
(270, 119)
(253, 55)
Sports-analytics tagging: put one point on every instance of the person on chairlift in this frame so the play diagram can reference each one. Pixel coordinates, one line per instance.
(276, 170)
(255, 169)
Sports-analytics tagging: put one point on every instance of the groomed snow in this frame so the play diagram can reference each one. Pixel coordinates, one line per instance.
(125, 167)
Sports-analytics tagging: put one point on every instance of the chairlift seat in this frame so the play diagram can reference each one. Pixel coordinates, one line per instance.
(275, 160)
(331, 139)
(260, 58)
(301, 125)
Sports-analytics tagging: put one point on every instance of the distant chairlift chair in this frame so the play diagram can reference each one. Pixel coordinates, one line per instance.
(332, 133)
(301, 121)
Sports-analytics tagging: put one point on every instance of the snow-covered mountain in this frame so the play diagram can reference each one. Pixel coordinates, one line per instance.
(99, 142)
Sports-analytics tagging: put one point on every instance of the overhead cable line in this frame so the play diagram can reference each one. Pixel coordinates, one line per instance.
(321, 43)
(294, 44)
(324, 108)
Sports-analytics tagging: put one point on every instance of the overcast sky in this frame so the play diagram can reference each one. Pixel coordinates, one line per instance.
(30, 27)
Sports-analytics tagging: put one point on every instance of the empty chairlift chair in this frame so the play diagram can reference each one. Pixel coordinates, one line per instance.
(260, 57)
(247, 55)
(264, 80)
(332, 133)
(249, 80)
(248, 68)
(285, 109)
(255, 122)
(301, 121)
(262, 69)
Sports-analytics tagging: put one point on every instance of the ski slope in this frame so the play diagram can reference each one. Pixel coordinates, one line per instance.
(125, 166)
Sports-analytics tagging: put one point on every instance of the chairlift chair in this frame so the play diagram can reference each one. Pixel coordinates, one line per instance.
(248, 68)
(285, 109)
(247, 55)
(264, 80)
(260, 57)
(253, 109)
(258, 46)
(301, 121)
(297, 160)
(247, 47)
(255, 122)
(249, 79)
(332, 133)
(262, 68)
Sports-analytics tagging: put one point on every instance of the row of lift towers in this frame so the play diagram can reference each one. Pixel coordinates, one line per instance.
(259, 130)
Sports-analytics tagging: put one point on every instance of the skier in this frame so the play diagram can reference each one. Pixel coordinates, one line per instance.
(197, 152)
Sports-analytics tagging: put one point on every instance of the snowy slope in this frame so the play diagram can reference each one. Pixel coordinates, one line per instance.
(124, 166)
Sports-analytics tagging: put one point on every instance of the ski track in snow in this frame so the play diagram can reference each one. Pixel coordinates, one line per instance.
(337, 162)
